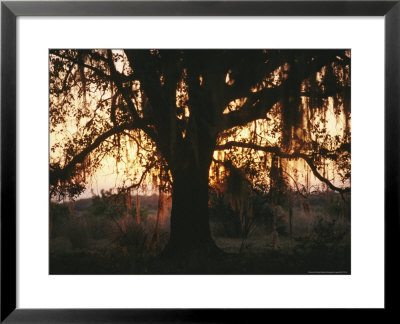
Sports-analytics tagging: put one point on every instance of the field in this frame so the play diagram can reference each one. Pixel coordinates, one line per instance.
(97, 237)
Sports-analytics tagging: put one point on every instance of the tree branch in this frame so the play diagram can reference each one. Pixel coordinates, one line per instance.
(99, 72)
(278, 152)
(144, 66)
(64, 173)
(121, 89)
(116, 78)
(256, 107)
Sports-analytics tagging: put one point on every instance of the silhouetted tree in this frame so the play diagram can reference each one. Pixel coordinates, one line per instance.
(178, 106)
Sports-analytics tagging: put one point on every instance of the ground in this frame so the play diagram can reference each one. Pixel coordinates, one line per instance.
(258, 257)
(91, 241)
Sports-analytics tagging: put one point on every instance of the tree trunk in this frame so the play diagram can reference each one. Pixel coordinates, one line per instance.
(138, 218)
(155, 237)
(51, 225)
(290, 222)
(190, 230)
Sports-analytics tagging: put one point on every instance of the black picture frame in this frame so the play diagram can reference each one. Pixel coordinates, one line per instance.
(10, 10)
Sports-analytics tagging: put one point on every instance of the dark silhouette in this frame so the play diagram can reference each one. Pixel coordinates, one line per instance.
(185, 103)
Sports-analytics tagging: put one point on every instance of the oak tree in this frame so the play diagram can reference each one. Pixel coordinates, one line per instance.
(165, 114)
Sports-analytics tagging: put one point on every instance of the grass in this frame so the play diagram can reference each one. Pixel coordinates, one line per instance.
(106, 257)
(96, 243)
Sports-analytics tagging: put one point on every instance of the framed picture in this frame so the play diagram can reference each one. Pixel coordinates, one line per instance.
(181, 160)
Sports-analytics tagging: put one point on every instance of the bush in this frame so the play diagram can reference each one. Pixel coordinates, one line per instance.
(99, 228)
(226, 222)
(326, 235)
(133, 239)
(77, 234)
(60, 215)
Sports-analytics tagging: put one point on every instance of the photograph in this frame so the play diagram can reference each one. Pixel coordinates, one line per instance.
(199, 161)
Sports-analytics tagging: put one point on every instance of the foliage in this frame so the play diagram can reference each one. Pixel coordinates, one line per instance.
(326, 234)
(126, 97)
(60, 216)
(112, 206)
(226, 222)
(77, 234)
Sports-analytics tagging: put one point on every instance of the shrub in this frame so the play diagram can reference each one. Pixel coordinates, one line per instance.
(326, 235)
(99, 228)
(133, 238)
(77, 234)
(60, 215)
